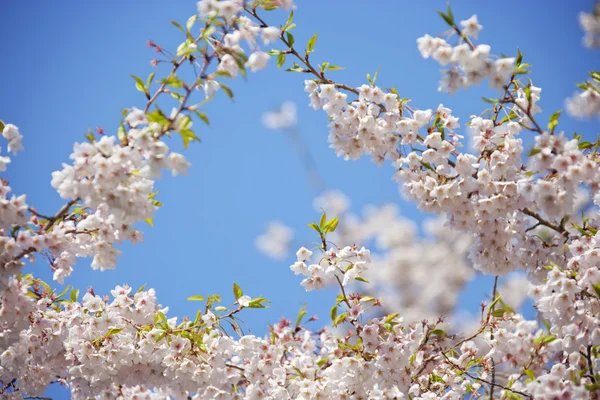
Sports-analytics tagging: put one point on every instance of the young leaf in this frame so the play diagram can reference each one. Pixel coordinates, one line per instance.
(227, 90)
(195, 298)
(331, 225)
(290, 39)
(333, 313)
(301, 315)
(311, 43)
(323, 220)
(237, 291)
(314, 226)
(178, 25)
(446, 18)
(203, 117)
(519, 58)
(114, 331)
(280, 60)
(554, 120)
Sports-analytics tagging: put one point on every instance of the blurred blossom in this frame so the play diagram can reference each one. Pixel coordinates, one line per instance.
(275, 242)
(422, 276)
(333, 201)
(514, 290)
(590, 23)
(286, 117)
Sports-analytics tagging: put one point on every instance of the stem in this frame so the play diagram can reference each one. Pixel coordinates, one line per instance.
(493, 382)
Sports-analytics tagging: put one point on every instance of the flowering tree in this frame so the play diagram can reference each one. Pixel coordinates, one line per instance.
(510, 210)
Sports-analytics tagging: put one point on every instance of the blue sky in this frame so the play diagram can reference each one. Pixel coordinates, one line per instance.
(67, 66)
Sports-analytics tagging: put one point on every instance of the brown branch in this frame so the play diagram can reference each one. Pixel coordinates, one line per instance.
(541, 221)
(484, 380)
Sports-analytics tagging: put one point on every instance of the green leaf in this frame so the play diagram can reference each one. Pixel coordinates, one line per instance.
(188, 135)
(203, 117)
(331, 225)
(534, 151)
(220, 308)
(595, 76)
(323, 220)
(334, 68)
(191, 21)
(314, 226)
(150, 79)
(296, 68)
(290, 39)
(90, 136)
(74, 295)
(597, 289)
(439, 332)
(499, 313)
(427, 165)
(522, 69)
(519, 58)
(375, 76)
(322, 361)
(172, 80)
(178, 25)
(311, 43)
(237, 291)
(114, 331)
(530, 374)
(227, 90)
(195, 298)
(367, 299)
(149, 221)
(280, 60)
(527, 91)
(446, 18)
(63, 292)
(1, 125)
(545, 339)
(391, 317)
(361, 279)
(160, 318)
(450, 14)
(289, 20)
(340, 318)
(554, 120)
(139, 84)
(585, 145)
(258, 303)
(333, 313)
(492, 101)
(159, 117)
(301, 314)
(161, 336)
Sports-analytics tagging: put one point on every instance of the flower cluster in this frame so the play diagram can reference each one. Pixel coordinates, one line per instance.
(469, 64)
(125, 345)
(344, 265)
